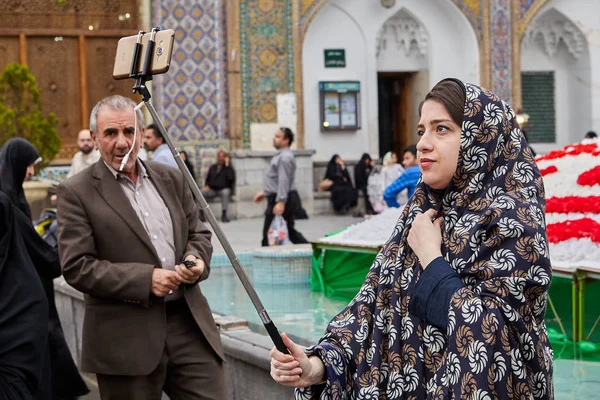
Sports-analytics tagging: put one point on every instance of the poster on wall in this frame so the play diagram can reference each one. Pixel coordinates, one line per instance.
(348, 109)
(332, 109)
(340, 105)
(286, 110)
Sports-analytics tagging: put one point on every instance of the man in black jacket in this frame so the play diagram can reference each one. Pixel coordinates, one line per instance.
(219, 182)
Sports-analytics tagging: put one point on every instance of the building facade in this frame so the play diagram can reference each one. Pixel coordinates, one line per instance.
(259, 65)
(346, 75)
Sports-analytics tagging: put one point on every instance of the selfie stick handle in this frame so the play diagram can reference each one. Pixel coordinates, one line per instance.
(141, 88)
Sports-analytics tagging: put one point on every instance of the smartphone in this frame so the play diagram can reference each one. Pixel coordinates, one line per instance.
(161, 57)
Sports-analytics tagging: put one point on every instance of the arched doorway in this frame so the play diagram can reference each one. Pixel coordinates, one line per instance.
(444, 45)
(556, 80)
(402, 79)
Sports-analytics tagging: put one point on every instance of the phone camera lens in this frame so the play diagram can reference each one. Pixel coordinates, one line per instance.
(159, 51)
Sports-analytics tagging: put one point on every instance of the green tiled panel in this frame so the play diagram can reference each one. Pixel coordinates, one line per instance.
(538, 103)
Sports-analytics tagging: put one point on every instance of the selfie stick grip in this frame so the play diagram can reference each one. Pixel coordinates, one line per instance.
(276, 337)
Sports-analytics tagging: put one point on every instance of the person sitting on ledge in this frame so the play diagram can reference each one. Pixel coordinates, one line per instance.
(343, 194)
(219, 182)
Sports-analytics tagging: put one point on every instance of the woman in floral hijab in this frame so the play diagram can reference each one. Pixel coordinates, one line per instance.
(453, 306)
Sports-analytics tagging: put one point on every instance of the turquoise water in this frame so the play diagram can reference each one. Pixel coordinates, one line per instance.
(303, 315)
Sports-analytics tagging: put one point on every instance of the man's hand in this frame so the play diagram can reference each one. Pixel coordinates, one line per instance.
(279, 208)
(425, 237)
(163, 281)
(259, 197)
(190, 275)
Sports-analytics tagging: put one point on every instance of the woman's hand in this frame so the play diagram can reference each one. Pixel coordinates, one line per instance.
(295, 369)
(425, 237)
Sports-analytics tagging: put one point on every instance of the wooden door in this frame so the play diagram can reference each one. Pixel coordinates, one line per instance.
(55, 66)
(394, 122)
(70, 48)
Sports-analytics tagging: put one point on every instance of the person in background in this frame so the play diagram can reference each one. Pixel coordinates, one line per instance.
(18, 158)
(391, 167)
(23, 314)
(60, 374)
(154, 142)
(143, 154)
(188, 163)
(591, 135)
(343, 194)
(87, 154)
(279, 187)
(382, 177)
(361, 175)
(219, 182)
(408, 180)
(409, 157)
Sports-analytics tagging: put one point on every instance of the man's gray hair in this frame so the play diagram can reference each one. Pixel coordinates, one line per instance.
(115, 102)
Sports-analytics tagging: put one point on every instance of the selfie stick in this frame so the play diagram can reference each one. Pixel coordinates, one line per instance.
(140, 87)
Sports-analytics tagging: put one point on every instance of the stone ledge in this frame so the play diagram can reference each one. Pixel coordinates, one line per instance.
(322, 195)
(229, 322)
(265, 153)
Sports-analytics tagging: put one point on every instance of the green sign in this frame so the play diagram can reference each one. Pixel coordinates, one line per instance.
(335, 58)
(339, 86)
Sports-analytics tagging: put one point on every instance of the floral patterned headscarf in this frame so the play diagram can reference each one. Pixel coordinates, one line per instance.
(493, 236)
(387, 159)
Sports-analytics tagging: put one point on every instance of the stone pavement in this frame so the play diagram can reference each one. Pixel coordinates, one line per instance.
(246, 234)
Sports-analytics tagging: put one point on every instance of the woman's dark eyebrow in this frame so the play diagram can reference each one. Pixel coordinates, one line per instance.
(437, 121)
(434, 121)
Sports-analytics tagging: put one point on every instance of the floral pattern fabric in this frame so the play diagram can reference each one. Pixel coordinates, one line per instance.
(496, 345)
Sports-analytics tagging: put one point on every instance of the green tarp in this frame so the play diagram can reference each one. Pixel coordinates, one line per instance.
(340, 274)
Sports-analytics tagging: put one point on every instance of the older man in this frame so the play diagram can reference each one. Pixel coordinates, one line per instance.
(122, 238)
(86, 155)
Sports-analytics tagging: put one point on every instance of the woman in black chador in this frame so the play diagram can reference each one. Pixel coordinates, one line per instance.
(361, 176)
(60, 374)
(343, 194)
(23, 313)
